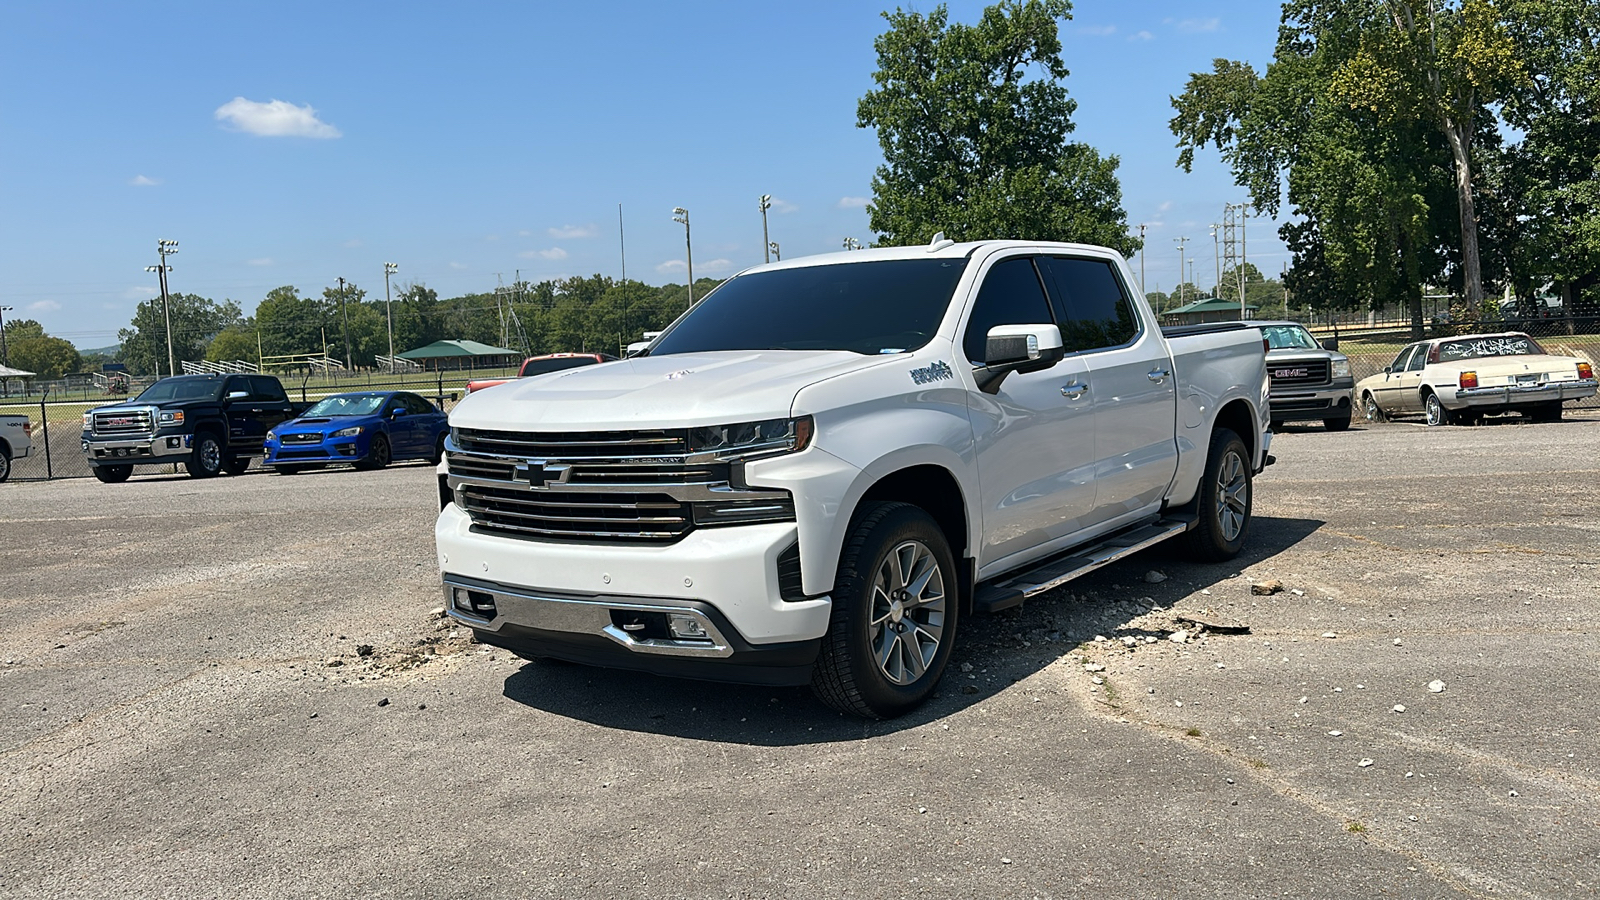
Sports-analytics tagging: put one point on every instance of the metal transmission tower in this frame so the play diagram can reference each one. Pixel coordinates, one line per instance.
(1233, 246)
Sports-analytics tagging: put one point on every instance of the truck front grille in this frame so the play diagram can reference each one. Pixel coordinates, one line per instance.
(628, 487)
(123, 421)
(1290, 374)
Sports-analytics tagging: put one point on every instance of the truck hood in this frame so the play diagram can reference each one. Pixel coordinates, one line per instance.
(678, 391)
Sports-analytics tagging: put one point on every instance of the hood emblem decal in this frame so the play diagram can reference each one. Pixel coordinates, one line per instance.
(938, 371)
(674, 376)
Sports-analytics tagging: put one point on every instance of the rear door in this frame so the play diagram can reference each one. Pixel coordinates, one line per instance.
(1035, 435)
(1131, 384)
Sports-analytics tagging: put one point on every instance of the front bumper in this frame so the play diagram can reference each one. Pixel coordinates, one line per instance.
(1300, 404)
(1515, 395)
(328, 450)
(145, 448)
(565, 598)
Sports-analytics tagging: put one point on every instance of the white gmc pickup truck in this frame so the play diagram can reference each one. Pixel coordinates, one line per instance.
(819, 470)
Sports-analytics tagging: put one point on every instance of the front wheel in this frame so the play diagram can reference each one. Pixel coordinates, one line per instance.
(113, 474)
(1342, 423)
(1370, 410)
(438, 451)
(5, 465)
(235, 465)
(207, 459)
(1224, 502)
(378, 454)
(1434, 410)
(895, 611)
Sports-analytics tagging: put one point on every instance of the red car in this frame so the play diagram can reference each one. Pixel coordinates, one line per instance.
(539, 365)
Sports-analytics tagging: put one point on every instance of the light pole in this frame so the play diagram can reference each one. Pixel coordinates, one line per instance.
(389, 269)
(1216, 248)
(851, 243)
(166, 248)
(1143, 289)
(773, 246)
(679, 214)
(5, 357)
(1180, 241)
(345, 315)
(765, 203)
(1191, 272)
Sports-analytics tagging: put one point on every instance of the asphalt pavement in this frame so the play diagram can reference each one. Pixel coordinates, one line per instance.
(238, 687)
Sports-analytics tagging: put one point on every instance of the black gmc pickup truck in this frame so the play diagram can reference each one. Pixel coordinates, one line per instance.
(210, 423)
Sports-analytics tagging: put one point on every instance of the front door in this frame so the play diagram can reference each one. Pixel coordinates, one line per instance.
(1035, 435)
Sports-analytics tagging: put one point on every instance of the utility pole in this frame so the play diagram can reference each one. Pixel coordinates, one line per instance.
(1216, 248)
(1180, 242)
(165, 248)
(5, 356)
(766, 241)
(345, 312)
(681, 215)
(1233, 245)
(1143, 290)
(388, 308)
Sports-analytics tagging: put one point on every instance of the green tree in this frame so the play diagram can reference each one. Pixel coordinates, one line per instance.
(46, 357)
(973, 122)
(17, 329)
(237, 342)
(290, 323)
(195, 321)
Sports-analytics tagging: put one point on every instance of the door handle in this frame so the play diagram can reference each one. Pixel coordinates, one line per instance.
(1072, 390)
(1157, 375)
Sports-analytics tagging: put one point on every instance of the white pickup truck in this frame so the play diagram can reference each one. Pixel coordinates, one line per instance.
(16, 442)
(819, 470)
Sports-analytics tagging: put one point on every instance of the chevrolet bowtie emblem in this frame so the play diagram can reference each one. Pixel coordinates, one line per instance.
(541, 474)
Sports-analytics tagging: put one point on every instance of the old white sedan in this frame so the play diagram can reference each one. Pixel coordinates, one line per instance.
(1461, 379)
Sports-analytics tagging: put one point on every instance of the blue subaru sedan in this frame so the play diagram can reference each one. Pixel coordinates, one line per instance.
(367, 429)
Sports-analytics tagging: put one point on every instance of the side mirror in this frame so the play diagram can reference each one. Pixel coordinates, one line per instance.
(1386, 369)
(1017, 348)
(1330, 343)
(397, 412)
(237, 395)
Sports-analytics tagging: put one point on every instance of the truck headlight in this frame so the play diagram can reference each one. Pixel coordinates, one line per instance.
(769, 436)
(347, 432)
(1341, 368)
(87, 418)
(172, 417)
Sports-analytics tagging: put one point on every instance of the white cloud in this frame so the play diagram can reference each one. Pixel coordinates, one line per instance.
(274, 118)
(44, 306)
(351, 244)
(259, 261)
(143, 292)
(1164, 207)
(1097, 30)
(1141, 36)
(853, 202)
(1196, 26)
(142, 181)
(456, 265)
(552, 253)
(573, 232)
(705, 267)
(524, 233)
(783, 206)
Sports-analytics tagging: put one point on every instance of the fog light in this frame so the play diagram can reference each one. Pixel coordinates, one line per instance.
(172, 443)
(686, 628)
(475, 603)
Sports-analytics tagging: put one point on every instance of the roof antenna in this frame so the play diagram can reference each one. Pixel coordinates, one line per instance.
(939, 242)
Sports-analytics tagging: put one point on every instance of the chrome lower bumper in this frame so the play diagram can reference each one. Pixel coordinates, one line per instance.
(1544, 392)
(135, 449)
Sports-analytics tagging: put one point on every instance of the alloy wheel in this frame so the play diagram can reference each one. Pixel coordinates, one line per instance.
(908, 612)
(1233, 496)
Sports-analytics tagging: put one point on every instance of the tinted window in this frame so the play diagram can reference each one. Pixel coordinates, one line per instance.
(1092, 306)
(415, 404)
(183, 389)
(881, 306)
(1010, 295)
(541, 366)
(268, 388)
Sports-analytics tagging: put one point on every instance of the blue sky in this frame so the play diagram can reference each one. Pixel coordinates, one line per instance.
(466, 142)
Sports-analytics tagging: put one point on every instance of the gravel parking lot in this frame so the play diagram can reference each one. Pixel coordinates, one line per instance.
(237, 688)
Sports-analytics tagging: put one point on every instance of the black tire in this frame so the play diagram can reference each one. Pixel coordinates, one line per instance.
(289, 470)
(1546, 412)
(1341, 423)
(1370, 410)
(438, 451)
(913, 635)
(1276, 426)
(1227, 491)
(378, 454)
(206, 461)
(5, 463)
(113, 474)
(236, 465)
(1433, 410)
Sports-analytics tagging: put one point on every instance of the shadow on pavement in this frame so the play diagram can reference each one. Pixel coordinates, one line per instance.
(1000, 649)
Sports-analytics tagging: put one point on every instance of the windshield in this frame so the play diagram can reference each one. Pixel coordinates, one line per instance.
(1289, 337)
(183, 389)
(882, 306)
(347, 405)
(1506, 345)
(541, 366)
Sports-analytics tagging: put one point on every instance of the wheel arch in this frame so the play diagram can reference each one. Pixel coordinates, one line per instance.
(935, 490)
(1240, 418)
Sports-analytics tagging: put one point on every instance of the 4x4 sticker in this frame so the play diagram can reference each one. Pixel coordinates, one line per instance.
(939, 371)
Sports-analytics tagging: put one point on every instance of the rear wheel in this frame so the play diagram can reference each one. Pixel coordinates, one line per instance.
(235, 465)
(378, 454)
(207, 459)
(1224, 503)
(1546, 412)
(438, 451)
(1434, 410)
(5, 463)
(113, 474)
(895, 611)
